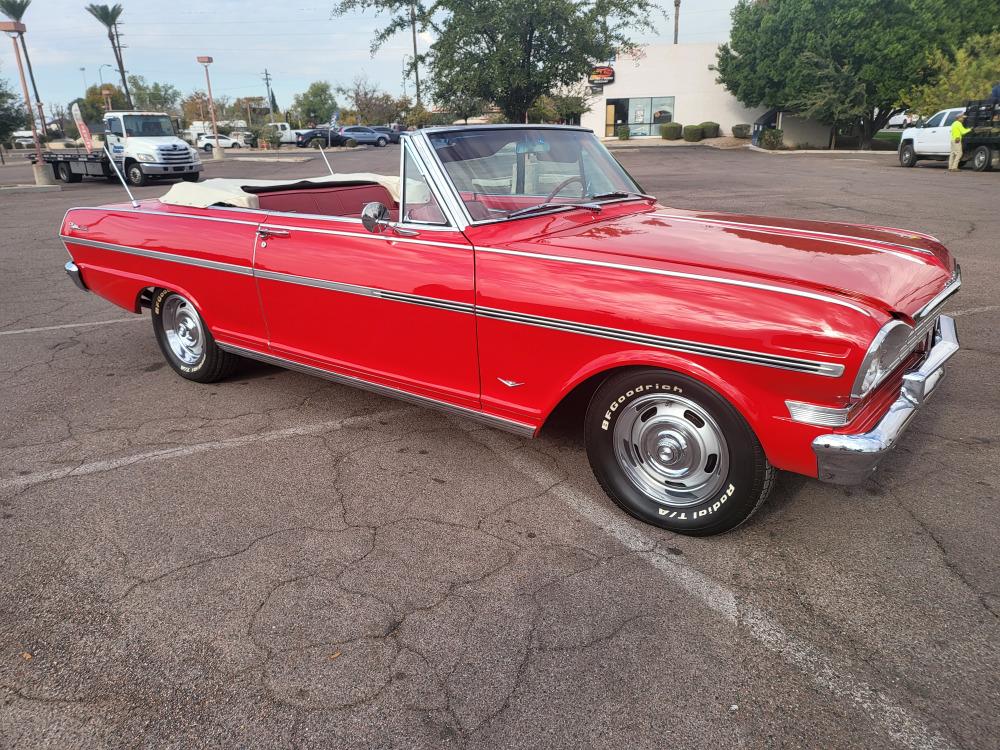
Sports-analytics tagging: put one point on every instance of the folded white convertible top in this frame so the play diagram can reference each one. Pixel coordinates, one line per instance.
(243, 193)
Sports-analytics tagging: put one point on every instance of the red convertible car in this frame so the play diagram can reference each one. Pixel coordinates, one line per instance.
(508, 268)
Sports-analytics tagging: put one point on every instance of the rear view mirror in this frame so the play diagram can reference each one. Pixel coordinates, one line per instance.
(375, 217)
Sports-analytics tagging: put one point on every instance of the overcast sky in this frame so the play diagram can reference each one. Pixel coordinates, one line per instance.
(297, 42)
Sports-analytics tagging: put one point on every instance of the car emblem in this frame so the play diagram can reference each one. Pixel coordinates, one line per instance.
(510, 383)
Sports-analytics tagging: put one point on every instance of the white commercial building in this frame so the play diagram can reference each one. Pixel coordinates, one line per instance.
(664, 83)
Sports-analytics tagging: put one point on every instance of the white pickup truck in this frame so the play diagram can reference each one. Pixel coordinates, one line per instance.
(932, 140)
(288, 134)
(143, 144)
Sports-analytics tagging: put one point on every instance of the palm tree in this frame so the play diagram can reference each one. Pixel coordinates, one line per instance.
(108, 15)
(14, 10)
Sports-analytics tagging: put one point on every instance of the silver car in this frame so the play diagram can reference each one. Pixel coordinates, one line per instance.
(363, 134)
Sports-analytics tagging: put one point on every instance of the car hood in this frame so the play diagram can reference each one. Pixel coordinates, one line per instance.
(893, 270)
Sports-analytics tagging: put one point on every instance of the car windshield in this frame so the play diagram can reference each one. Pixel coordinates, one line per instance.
(148, 126)
(504, 173)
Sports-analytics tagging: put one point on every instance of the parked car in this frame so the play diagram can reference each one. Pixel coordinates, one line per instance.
(207, 140)
(244, 138)
(325, 137)
(931, 140)
(23, 142)
(522, 268)
(391, 133)
(364, 134)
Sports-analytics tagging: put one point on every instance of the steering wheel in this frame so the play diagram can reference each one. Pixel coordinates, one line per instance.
(564, 183)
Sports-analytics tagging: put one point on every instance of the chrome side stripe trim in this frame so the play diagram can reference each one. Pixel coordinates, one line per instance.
(157, 255)
(826, 369)
(679, 275)
(171, 213)
(813, 367)
(387, 236)
(518, 428)
(843, 239)
(367, 291)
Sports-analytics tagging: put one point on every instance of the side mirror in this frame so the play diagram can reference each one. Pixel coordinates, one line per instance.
(375, 217)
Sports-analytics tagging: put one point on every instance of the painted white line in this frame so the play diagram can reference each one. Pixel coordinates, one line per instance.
(830, 673)
(974, 311)
(72, 325)
(96, 467)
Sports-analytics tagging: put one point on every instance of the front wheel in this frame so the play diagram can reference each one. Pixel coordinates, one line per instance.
(185, 340)
(191, 177)
(381, 142)
(674, 453)
(135, 176)
(907, 156)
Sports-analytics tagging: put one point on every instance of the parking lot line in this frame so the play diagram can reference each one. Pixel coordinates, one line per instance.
(96, 467)
(133, 319)
(974, 311)
(827, 672)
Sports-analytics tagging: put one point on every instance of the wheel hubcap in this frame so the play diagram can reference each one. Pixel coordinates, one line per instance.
(671, 449)
(183, 329)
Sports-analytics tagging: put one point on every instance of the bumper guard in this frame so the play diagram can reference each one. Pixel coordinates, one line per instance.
(73, 270)
(850, 459)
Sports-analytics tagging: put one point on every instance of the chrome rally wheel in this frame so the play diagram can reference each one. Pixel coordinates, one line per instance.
(671, 449)
(183, 329)
(185, 340)
(674, 453)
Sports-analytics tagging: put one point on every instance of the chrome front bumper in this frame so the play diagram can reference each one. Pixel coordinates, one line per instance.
(162, 169)
(850, 459)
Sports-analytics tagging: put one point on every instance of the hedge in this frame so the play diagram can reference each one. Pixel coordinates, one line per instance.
(710, 129)
(693, 133)
(742, 130)
(772, 139)
(671, 131)
(624, 133)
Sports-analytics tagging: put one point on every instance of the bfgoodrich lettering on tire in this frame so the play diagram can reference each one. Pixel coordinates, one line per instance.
(186, 342)
(672, 452)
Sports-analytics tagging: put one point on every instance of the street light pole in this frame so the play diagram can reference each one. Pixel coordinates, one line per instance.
(216, 149)
(43, 174)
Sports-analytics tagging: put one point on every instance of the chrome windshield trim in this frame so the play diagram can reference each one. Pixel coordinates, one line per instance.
(518, 428)
(679, 275)
(780, 361)
(840, 239)
(187, 260)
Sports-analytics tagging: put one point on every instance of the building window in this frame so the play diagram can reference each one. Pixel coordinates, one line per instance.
(643, 115)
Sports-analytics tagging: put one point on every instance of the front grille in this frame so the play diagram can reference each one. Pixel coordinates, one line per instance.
(174, 155)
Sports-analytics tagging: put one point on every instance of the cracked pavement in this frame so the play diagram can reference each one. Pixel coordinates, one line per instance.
(278, 561)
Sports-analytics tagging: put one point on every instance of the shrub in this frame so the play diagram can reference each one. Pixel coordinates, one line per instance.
(710, 129)
(693, 133)
(624, 133)
(350, 143)
(741, 130)
(671, 131)
(273, 138)
(771, 139)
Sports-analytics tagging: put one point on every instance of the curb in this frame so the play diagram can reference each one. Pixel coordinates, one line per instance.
(824, 151)
(15, 189)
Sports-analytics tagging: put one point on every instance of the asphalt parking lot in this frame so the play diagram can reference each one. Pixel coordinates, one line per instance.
(278, 561)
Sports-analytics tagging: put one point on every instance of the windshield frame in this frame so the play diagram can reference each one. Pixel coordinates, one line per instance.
(454, 197)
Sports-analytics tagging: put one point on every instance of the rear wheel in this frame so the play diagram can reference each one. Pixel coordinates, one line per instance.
(982, 159)
(381, 142)
(907, 155)
(674, 453)
(66, 173)
(185, 340)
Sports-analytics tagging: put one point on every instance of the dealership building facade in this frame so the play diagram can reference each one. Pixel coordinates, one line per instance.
(662, 83)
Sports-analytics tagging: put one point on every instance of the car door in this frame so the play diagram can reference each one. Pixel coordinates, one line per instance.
(114, 137)
(393, 308)
(932, 138)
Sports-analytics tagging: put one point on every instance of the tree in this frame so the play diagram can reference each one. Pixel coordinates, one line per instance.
(511, 52)
(316, 104)
(871, 51)
(12, 113)
(15, 10)
(970, 75)
(155, 96)
(194, 107)
(108, 16)
(92, 105)
(462, 107)
(373, 105)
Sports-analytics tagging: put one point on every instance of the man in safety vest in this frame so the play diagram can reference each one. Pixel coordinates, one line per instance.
(958, 130)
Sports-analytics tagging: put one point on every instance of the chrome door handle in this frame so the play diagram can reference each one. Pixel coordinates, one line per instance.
(265, 233)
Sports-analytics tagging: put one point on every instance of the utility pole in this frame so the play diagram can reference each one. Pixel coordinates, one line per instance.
(416, 64)
(677, 19)
(121, 68)
(270, 96)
